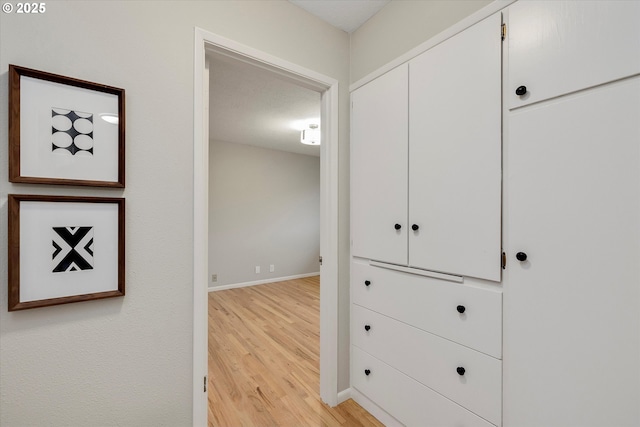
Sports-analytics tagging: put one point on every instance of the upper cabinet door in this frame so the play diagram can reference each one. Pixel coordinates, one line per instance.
(559, 47)
(455, 154)
(379, 121)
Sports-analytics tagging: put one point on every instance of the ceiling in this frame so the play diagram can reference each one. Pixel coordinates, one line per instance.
(250, 105)
(347, 15)
(253, 106)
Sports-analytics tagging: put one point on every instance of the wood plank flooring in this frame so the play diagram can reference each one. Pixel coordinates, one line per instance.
(264, 354)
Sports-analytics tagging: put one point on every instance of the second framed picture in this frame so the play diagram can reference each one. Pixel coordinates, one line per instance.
(64, 249)
(64, 130)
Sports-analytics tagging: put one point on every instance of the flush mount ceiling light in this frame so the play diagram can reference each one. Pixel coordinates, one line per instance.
(310, 136)
(110, 118)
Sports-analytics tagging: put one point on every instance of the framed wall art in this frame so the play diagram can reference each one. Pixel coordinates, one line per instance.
(64, 249)
(64, 130)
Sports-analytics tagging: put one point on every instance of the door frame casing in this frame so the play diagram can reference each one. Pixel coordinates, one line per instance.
(204, 42)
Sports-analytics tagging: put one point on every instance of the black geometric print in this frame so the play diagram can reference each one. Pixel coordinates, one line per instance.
(72, 249)
(72, 131)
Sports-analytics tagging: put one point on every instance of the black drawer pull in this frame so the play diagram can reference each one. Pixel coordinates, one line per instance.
(397, 226)
(521, 90)
(367, 328)
(367, 282)
(460, 370)
(461, 309)
(367, 372)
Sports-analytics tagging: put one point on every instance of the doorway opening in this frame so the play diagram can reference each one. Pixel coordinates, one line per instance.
(210, 44)
(264, 187)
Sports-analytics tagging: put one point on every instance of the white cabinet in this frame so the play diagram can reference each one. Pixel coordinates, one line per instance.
(439, 338)
(379, 168)
(558, 47)
(572, 298)
(572, 322)
(565, 334)
(455, 144)
(465, 314)
(426, 159)
(425, 224)
(412, 403)
(464, 375)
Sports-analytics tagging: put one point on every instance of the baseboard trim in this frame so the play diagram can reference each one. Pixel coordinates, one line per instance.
(261, 282)
(344, 395)
(380, 414)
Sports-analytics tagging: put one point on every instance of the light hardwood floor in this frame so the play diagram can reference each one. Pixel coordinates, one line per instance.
(264, 356)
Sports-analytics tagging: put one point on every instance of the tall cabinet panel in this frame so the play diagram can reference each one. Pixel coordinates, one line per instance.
(455, 154)
(572, 284)
(379, 122)
(571, 321)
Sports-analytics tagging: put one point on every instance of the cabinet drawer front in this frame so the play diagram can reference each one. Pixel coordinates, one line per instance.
(433, 361)
(407, 400)
(432, 305)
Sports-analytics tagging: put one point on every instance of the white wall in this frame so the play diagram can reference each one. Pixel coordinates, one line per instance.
(128, 361)
(264, 208)
(400, 26)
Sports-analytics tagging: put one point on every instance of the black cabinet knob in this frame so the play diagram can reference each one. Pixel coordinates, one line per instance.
(521, 90)
(521, 256)
(367, 282)
(398, 226)
(461, 309)
(367, 371)
(367, 327)
(460, 370)
(415, 227)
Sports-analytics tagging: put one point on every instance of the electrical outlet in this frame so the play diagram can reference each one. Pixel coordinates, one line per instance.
(272, 268)
(214, 277)
(257, 269)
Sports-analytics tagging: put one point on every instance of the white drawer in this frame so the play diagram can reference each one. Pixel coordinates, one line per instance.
(432, 305)
(405, 399)
(433, 361)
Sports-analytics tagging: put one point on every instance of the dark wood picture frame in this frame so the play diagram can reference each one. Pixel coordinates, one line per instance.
(14, 258)
(15, 143)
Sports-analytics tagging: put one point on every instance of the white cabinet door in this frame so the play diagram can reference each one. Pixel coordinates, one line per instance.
(455, 154)
(558, 47)
(572, 308)
(379, 168)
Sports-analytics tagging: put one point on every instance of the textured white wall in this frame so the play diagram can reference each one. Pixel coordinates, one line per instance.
(400, 26)
(264, 208)
(128, 361)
